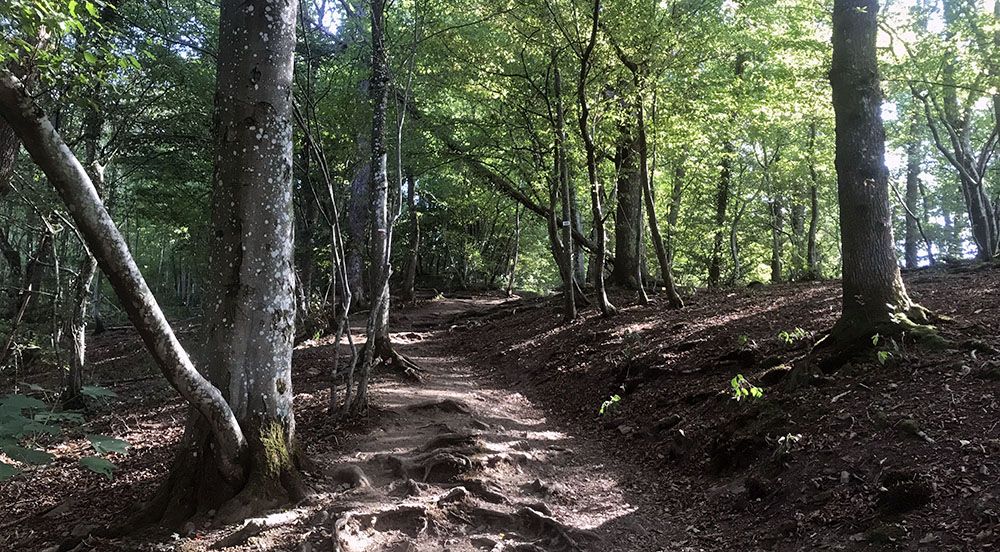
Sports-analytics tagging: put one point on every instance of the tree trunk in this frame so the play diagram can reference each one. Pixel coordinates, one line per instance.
(666, 268)
(306, 221)
(597, 212)
(722, 191)
(28, 291)
(107, 244)
(77, 323)
(250, 311)
(913, 158)
(777, 238)
(874, 297)
(721, 203)
(378, 344)
(569, 251)
(411, 258)
(517, 251)
(628, 211)
(812, 255)
(358, 221)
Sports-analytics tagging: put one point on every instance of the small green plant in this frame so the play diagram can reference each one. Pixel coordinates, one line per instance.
(27, 423)
(743, 389)
(610, 405)
(792, 336)
(742, 340)
(882, 355)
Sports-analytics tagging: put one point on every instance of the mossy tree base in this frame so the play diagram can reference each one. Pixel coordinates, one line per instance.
(196, 488)
(853, 336)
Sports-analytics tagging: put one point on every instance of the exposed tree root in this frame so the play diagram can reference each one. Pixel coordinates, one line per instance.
(443, 405)
(195, 487)
(441, 460)
(849, 340)
(395, 361)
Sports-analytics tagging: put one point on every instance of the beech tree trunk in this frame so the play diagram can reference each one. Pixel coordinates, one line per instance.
(414, 250)
(911, 235)
(250, 315)
(77, 323)
(874, 297)
(646, 182)
(77, 191)
(597, 212)
(517, 250)
(812, 255)
(569, 251)
(777, 238)
(358, 219)
(628, 211)
(721, 204)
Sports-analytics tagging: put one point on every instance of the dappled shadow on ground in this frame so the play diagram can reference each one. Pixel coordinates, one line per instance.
(503, 445)
(845, 465)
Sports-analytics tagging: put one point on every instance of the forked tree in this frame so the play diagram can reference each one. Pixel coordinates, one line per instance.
(238, 451)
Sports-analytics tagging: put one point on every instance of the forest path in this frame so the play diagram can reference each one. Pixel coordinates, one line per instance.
(459, 463)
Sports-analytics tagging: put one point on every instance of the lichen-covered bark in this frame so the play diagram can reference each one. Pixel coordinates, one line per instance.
(250, 312)
(77, 191)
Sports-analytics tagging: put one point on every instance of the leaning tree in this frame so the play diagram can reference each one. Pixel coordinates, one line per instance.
(238, 452)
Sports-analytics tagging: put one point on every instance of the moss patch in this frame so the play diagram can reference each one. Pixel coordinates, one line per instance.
(277, 457)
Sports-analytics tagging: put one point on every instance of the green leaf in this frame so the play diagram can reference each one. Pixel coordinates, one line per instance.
(89, 57)
(7, 471)
(21, 402)
(36, 427)
(97, 392)
(91, 9)
(99, 465)
(26, 455)
(14, 427)
(72, 7)
(71, 417)
(106, 445)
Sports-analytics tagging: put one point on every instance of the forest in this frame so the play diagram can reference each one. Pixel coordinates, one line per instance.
(519, 275)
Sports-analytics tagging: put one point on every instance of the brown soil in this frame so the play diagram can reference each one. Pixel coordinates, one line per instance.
(502, 447)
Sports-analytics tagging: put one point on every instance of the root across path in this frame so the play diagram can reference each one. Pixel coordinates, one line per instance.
(460, 463)
(500, 447)
(453, 461)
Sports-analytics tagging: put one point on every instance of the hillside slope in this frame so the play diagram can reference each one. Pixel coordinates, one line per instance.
(893, 452)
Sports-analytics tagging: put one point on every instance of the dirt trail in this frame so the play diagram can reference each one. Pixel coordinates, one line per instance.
(458, 463)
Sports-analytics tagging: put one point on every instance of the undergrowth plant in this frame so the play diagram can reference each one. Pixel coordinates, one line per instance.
(790, 337)
(28, 424)
(610, 405)
(743, 389)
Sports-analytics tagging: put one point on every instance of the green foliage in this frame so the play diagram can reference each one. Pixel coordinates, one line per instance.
(97, 392)
(791, 337)
(742, 389)
(99, 465)
(25, 420)
(17, 428)
(609, 406)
